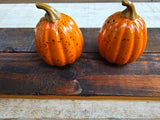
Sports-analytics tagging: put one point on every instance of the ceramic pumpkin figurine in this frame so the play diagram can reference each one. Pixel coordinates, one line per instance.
(58, 39)
(123, 37)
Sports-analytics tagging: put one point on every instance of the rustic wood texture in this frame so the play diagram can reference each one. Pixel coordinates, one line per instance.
(23, 72)
(66, 1)
(78, 109)
(27, 74)
(22, 40)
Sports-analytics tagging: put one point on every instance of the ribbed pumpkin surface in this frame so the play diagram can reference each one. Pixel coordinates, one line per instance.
(58, 43)
(122, 40)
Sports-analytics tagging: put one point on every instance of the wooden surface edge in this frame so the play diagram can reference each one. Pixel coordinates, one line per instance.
(69, 1)
(55, 97)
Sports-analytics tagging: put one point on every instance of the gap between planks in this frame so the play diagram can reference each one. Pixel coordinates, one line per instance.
(98, 98)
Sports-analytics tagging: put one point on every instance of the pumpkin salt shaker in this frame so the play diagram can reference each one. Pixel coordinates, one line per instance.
(58, 39)
(123, 37)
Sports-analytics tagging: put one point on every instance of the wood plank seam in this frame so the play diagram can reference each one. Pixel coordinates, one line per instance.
(21, 40)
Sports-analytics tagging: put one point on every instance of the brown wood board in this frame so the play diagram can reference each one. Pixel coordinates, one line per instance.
(24, 73)
(22, 40)
(90, 75)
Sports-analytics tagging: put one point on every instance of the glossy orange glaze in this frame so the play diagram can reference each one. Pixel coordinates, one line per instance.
(58, 43)
(122, 40)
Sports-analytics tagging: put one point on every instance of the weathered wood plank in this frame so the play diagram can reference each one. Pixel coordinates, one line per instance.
(27, 74)
(25, 109)
(22, 40)
(68, 1)
(86, 15)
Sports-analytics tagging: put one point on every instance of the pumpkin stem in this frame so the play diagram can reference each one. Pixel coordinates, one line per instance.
(52, 14)
(130, 11)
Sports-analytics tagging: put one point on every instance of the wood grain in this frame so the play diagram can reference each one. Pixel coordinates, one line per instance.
(22, 40)
(27, 74)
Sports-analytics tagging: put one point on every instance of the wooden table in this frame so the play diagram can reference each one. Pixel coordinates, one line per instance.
(22, 72)
(89, 88)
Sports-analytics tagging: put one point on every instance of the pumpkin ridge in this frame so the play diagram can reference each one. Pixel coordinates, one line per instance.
(67, 52)
(133, 42)
(50, 45)
(119, 39)
(38, 36)
(68, 26)
(74, 46)
(140, 22)
(144, 40)
(142, 36)
(75, 42)
(41, 37)
(117, 59)
(82, 42)
(100, 42)
(44, 50)
(122, 31)
(115, 43)
(143, 30)
(132, 52)
(78, 39)
(107, 46)
(132, 39)
(103, 42)
(59, 25)
(137, 38)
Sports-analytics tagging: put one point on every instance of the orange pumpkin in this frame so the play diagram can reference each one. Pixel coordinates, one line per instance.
(123, 37)
(58, 39)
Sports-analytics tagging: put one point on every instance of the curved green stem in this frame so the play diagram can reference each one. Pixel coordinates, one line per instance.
(52, 14)
(130, 11)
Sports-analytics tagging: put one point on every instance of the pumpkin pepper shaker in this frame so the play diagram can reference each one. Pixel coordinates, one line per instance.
(123, 37)
(58, 39)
